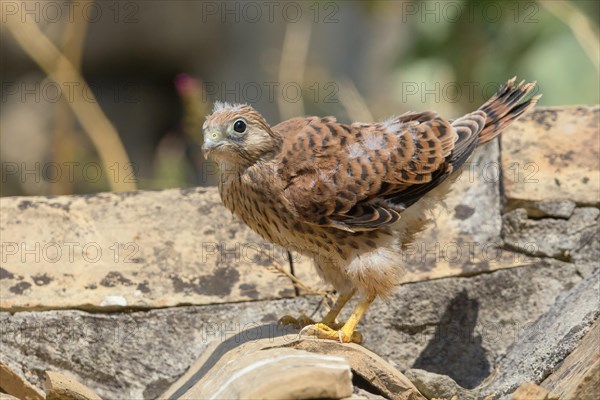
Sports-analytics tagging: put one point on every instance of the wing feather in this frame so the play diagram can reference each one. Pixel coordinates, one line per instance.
(350, 176)
(362, 176)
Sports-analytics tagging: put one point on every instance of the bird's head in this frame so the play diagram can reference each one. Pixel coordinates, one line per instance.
(237, 134)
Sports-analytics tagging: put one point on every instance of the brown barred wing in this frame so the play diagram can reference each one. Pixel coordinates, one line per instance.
(347, 176)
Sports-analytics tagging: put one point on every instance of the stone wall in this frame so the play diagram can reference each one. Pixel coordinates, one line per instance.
(124, 291)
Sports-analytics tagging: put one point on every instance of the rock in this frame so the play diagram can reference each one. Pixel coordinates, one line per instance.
(289, 367)
(439, 386)
(550, 237)
(552, 154)
(4, 396)
(139, 250)
(457, 326)
(273, 374)
(536, 352)
(547, 342)
(62, 387)
(461, 327)
(578, 376)
(586, 257)
(13, 384)
(369, 368)
(589, 386)
(361, 394)
(551, 208)
(531, 391)
(128, 354)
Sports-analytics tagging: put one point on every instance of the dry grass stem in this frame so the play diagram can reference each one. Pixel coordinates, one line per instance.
(91, 117)
(278, 268)
(292, 67)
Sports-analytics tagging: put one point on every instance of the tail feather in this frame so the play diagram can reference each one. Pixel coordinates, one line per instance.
(468, 127)
(505, 107)
(485, 124)
(472, 129)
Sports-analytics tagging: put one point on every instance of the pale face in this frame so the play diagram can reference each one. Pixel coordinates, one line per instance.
(236, 134)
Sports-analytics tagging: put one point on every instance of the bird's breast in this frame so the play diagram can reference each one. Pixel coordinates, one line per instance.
(261, 212)
(267, 215)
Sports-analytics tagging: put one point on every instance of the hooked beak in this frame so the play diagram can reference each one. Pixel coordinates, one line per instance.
(212, 140)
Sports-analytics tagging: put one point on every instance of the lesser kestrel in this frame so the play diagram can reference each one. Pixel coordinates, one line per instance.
(348, 195)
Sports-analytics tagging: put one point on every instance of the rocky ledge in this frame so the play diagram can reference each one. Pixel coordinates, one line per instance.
(152, 294)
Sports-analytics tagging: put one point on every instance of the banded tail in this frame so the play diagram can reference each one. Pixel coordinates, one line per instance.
(483, 125)
(503, 108)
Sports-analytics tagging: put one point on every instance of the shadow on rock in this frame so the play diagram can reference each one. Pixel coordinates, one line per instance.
(455, 351)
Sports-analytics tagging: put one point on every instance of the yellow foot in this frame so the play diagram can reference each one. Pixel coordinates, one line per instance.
(296, 323)
(303, 321)
(323, 331)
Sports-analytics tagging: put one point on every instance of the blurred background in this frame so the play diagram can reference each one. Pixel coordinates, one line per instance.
(111, 95)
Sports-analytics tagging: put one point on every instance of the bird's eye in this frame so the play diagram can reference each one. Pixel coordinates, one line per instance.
(239, 126)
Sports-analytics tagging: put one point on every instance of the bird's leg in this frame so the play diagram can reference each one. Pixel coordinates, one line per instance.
(346, 334)
(328, 320)
(341, 301)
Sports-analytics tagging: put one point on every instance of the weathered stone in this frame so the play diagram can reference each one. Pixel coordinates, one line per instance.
(128, 354)
(369, 367)
(454, 326)
(549, 340)
(578, 376)
(14, 384)
(552, 154)
(141, 249)
(551, 208)
(537, 349)
(531, 391)
(439, 386)
(261, 373)
(290, 367)
(361, 394)
(235, 355)
(4, 396)
(586, 257)
(461, 327)
(550, 237)
(62, 387)
(589, 386)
